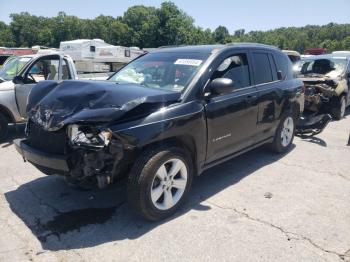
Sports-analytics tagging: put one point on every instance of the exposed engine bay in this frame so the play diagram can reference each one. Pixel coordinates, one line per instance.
(320, 91)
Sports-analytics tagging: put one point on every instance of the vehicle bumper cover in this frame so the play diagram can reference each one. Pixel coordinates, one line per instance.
(41, 158)
(308, 126)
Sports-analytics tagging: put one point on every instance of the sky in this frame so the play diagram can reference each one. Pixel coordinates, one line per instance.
(247, 14)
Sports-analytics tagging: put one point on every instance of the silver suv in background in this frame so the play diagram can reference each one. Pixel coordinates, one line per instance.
(18, 77)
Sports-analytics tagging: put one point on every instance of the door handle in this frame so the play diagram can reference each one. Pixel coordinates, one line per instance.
(251, 99)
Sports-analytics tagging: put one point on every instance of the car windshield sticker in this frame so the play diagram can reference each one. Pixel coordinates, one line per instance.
(189, 62)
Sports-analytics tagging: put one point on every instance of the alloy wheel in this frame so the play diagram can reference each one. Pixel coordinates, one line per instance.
(169, 184)
(287, 131)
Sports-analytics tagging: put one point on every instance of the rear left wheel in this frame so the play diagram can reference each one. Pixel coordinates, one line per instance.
(159, 182)
(284, 134)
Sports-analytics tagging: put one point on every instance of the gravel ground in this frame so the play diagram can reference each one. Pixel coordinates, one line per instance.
(257, 207)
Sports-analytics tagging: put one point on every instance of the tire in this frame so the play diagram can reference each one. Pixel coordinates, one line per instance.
(3, 127)
(339, 112)
(151, 190)
(284, 135)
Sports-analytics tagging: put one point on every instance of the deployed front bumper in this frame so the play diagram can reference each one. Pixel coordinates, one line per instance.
(312, 125)
(41, 158)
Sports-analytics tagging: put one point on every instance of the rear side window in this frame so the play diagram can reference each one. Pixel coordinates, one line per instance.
(262, 68)
(236, 68)
(284, 65)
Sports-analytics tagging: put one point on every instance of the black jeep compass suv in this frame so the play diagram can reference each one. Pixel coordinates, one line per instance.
(163, 119)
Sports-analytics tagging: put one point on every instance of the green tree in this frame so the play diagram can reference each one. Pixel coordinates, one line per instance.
(221, 35)
(6, 36)
(168, 25)
(175, 26)
(121, 34)
(144, 23)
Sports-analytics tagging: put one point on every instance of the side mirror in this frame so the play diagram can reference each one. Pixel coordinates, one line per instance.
(279, 75)
(18, 80)
(220, 86)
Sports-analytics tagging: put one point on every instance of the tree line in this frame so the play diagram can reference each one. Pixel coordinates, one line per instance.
(145, 26)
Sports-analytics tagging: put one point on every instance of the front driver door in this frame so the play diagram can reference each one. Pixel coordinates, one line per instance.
(44, 68)
(232, 118)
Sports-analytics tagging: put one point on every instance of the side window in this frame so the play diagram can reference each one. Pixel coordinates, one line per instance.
(65, 70)
(262, 68)
(284, 65)
(47, 69)
(236, 68)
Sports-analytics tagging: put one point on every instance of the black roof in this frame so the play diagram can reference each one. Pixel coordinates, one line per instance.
(211, 48)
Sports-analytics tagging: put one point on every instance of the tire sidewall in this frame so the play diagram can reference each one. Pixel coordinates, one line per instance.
(278, 140)
(147, 176)
(336, 112)
(3, 127)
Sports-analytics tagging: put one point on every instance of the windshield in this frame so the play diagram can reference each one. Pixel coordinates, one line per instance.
(171, 71)
(329, 67)
(10, 70)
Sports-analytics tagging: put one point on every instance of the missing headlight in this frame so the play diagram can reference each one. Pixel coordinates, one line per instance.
(87, 136)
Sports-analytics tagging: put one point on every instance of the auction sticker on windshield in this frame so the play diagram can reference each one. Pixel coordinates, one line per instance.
(189, 62)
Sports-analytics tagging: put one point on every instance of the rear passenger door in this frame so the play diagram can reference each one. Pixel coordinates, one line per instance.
(269, 89)
(232, 117)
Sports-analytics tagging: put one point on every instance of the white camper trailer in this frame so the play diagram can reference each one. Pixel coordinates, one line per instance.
(97, 56)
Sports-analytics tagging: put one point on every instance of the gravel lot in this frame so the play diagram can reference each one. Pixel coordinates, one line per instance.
(257, 207)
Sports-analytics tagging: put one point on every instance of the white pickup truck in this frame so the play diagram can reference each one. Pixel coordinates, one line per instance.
(18, 77)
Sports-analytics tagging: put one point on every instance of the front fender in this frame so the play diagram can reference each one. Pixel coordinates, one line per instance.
(182, 120)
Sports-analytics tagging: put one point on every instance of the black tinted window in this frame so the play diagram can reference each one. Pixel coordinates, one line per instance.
(262, 68)
(283, 64)
(236, 68)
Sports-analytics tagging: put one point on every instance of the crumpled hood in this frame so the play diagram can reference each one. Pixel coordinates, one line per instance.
(54, 105)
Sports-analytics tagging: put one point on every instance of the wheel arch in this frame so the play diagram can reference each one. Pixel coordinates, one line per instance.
(183, 141)
(292, 107)
(7, 113)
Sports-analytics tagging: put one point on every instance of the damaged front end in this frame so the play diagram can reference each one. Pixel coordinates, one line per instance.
(85, 154)
(68, 130)
(315, 118)
(321, 93)
(325, 81)
(95, 154)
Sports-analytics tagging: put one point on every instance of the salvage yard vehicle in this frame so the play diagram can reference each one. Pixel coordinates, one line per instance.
(294, 56)
(326, 79)
(162, 119)
(19, 75)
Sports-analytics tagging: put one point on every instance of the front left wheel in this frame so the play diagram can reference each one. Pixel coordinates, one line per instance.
(3, 127)
(159, 182)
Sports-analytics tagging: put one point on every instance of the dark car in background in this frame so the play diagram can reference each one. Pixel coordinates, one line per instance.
(163, 119)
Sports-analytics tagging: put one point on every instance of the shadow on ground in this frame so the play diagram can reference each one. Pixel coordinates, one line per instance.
(64, 218)
(14, 133)
(315, 140)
